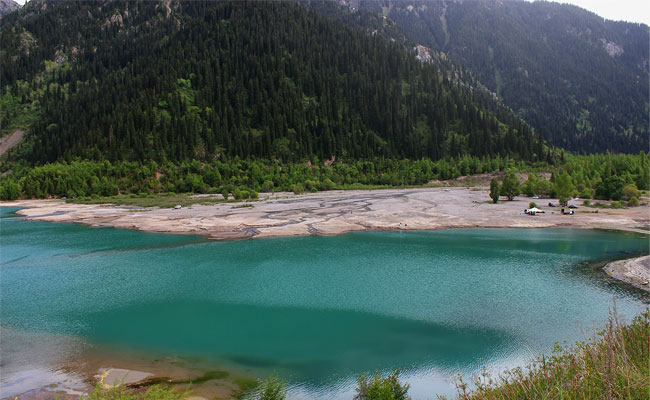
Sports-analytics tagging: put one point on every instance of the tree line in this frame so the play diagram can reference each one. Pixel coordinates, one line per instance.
(594, 176)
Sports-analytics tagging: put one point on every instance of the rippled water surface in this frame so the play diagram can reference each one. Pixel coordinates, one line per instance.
(317, 310)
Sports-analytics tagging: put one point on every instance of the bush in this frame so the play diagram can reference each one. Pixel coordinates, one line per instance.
(616, 204)
(327, 184)
(267, 186)
(630, 191)
(495, 190)
(311, 185)
(613, 364)
(377, 388)
(587, 193)
(586, 202)
(634, 202)
(10, 190)
(156, 392)
(272, 389)
(532, 204)
(298, 189)
(224, 193)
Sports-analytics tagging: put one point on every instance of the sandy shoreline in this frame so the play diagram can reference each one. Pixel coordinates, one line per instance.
(336, 212)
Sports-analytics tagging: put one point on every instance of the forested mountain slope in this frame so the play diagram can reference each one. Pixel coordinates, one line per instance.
(173, 81)
(581, 79)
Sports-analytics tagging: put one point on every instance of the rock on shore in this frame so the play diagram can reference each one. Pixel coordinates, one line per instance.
(635, 271)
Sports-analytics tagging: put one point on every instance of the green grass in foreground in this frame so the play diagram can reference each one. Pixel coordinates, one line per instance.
(158, 392)
(613, 365)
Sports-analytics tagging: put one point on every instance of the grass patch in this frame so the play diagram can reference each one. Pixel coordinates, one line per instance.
(157, 392)
(246, 386)
(243, 206)
(612, 365)
(613, 204)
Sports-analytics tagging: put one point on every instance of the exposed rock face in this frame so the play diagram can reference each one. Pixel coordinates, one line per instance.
(613, 49)
(7, 6)
(422, 53)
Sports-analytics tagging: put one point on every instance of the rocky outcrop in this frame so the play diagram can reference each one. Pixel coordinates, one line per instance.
(7, 6)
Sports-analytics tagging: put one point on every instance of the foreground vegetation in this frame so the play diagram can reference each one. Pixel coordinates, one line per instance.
(612, 365)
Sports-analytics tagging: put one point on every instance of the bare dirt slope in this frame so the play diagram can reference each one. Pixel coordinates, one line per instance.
(11, 140)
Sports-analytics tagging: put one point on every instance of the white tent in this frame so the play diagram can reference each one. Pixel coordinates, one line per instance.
(534, 210)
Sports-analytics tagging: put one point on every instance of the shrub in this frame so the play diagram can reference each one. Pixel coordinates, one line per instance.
(327, 184)
(298, 189)
(10, 190)
(156, 392)
(494, 190)
(272, 389)
(377, 388)
(586, 202)
(634, 202)
(267, 186)
(616, 204)
(587, 193)
(532, 204)
(613, 364)
(630, 191)
(224, 193)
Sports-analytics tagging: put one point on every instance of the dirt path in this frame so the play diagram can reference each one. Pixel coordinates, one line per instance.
(11, 140)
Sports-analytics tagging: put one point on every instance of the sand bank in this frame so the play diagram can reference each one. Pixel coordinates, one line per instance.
(336, 212)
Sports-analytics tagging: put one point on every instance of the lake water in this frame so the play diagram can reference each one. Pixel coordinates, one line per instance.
(316, 310)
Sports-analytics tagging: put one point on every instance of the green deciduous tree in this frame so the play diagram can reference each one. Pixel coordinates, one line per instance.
(563, 187)
(510, 186)
(495, 190)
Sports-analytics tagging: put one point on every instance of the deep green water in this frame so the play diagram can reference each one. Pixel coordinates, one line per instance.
(318, 310)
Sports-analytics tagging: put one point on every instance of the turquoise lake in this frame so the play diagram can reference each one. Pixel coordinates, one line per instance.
(317, 310)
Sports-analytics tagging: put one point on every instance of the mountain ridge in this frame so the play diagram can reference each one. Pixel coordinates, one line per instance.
(581, 79)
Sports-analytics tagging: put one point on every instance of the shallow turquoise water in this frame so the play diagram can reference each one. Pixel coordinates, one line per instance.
(318, 310)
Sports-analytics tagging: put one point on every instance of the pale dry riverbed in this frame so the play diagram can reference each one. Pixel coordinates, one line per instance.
(336, 212)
